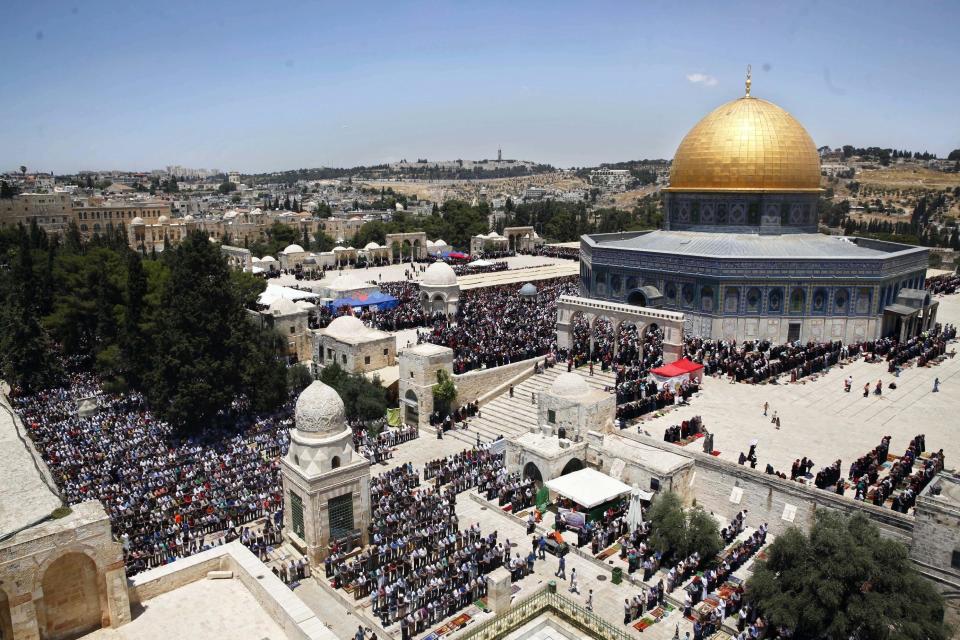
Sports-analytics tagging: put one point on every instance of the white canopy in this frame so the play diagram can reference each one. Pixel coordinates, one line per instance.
(588, 487)
(274, 292)
(480, 263)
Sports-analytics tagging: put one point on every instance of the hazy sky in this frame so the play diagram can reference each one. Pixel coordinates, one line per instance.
(259, 86)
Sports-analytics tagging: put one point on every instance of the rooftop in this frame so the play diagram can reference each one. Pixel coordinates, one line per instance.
(751, 245)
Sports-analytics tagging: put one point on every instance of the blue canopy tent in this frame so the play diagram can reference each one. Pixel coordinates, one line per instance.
(378, 299)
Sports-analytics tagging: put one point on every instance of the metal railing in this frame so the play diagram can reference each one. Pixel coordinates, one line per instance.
(545, 600)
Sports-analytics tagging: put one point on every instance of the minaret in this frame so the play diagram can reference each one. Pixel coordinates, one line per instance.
(499, 154)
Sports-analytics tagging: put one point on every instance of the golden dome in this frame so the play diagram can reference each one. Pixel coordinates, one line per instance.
(746, 145)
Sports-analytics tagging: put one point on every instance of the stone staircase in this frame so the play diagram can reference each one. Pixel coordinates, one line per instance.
(511, 417)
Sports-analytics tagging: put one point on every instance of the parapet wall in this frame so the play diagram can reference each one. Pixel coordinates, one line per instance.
(768, 497)
(476, 384)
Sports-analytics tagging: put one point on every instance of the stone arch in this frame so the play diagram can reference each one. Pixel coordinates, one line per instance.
(603, 333)
(532, 472)
(412, 404)
(71, 597)
(798, 300)
(574, 464)
(636, 298)
(818, 303)
(6, 624)
(706, 298)
(335, 462)
(731, 300)
(754, 299)
(438, 303)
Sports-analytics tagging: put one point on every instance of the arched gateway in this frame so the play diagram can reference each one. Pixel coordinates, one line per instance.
(642, 317)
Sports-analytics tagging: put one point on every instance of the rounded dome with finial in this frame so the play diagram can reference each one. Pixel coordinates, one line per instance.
(439, 274)
(569, 385)
(747, 144)
(320, 410)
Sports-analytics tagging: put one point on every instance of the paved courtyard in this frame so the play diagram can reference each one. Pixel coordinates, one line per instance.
(821, 421)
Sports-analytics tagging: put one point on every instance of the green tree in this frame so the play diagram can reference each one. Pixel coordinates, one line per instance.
(363, 399)
(26, 354)
(226, 187)
(298, 378)
(208, 352)
(678, 533)
(444, 392)
(844, 580)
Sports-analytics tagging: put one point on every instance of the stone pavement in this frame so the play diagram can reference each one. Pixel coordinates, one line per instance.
(25, 493)
(821, 421)
(202, 610)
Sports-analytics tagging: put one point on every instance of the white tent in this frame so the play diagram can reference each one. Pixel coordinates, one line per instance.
(588, 487)
(480, 263)
(635, 512)
(274, 292)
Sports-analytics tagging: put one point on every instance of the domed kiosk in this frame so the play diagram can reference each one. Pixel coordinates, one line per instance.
(740, 254)
(572, 407)
(326, 487)
(439, 289)
(355, 347)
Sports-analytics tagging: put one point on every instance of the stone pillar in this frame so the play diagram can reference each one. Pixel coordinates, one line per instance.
(23, 618)
(118, 599)
(498, 591)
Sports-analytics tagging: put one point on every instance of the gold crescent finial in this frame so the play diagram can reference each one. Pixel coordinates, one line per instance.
(748, 81)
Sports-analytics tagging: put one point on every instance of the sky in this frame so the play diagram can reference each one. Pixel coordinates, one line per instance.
(265, 86)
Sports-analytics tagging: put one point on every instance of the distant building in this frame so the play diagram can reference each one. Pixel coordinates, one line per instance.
(51, 211)
(611, 179)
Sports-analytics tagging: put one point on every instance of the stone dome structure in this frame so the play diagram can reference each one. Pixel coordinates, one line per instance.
(163, 220)
(320, 411)
(569, 385)
(747, 144)
(346, 327)
(293, 248)
(439, 274)
(137, 222)
(371, 245)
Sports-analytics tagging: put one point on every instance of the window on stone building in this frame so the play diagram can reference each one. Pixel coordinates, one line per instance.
(340, 514)
(343, 358)
(366, 359)
(386, 351)
(955, 561)
(335, 462)
(551, 416)
(296, 514)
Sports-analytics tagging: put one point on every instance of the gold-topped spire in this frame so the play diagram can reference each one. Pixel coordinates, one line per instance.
(748, 81)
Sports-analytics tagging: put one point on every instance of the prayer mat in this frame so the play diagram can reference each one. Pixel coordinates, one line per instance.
(523, 514)
(514, 589)
(482, 604)
(715, 452)
(609, 551)
(644, 624)
(657, 613)
(761, 555)
(460, 620)
(431, 636)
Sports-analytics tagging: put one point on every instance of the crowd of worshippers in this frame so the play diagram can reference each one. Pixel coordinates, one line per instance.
(494, 326)
(466, 469)
(165, 496)
(925, 347)
(378, 448)
(406, 315)
(946, 283)
(870, 487)
(684, 430)
(470, 269)
(454, 419)
(553, 251)
(420, 567)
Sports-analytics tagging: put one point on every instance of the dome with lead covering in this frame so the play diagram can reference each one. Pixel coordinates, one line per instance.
(320, 410)
(569, 385)
(439, 274)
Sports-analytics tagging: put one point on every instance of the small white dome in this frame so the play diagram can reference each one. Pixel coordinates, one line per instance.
(256, 212)
(230, 215)
(320, 410)
(339, 248)
(283, 307)
(188, 218)
(255, 259)
(372, 245)
(439, 274)
(292, 248)
(163, 220)
(346, 327)
(569, 385)
(431, 243)
(268, 259)
(440, 243)
(138, 221)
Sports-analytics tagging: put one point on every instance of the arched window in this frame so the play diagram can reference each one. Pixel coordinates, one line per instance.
(753, 300)
(797, 300)
(335, 462)
(687, 293)
(706, 298)
(840, 301)
(819, 305)
(775, 301)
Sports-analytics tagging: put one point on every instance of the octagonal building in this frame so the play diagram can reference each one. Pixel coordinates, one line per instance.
(740, 254)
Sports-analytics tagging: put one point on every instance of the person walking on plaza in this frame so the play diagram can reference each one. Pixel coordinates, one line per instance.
(866, 390)
(590, 600)
(573, 581)
(766, 406)
(936, 385)
(562, 570)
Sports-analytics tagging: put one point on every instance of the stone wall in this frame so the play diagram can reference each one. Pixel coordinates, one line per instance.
(480, 383)
(354, 357)
(768, 497)
(64, 577)
(937, 531)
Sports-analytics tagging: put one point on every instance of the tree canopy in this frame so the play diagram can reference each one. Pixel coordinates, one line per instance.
(678, 533)
(843, 581)
(363, 399)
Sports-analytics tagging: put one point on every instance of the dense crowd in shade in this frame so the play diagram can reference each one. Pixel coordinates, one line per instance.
(495, 326)
(943, 284)
(167, 496)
